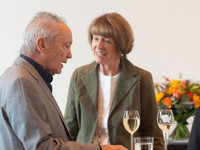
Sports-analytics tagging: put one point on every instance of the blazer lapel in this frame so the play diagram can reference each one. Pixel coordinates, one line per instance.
(90, 81)
(125, 82)
(22, 62)
(53, 101)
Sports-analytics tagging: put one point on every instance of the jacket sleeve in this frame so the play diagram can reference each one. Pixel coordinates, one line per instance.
(194, 139)
(149, 112)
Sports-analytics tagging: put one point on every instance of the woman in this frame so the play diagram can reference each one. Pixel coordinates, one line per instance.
(100, 92)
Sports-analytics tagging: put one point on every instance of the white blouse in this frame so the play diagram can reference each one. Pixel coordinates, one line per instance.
(107, 86)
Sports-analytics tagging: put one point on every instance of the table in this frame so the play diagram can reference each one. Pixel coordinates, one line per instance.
(177, 145)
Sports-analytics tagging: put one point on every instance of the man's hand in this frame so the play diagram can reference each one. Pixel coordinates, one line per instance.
(113, 147)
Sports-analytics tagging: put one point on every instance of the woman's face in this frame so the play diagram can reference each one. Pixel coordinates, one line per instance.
(105, 50)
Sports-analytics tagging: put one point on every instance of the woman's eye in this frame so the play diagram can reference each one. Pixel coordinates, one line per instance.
(107, 41)
(95, 38)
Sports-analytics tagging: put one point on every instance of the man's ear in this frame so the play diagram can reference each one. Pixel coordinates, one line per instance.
(41, 44)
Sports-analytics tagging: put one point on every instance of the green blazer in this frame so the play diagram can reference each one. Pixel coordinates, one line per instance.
(134, 90)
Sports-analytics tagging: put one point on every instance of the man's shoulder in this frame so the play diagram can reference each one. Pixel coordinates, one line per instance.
(18, 72)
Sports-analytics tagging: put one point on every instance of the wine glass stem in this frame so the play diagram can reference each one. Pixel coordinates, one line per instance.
(166, 140)
(132, 146)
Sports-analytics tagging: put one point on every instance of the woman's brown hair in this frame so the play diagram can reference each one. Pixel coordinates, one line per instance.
(116, 26)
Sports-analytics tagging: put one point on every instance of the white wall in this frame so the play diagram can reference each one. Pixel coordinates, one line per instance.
(167, 34)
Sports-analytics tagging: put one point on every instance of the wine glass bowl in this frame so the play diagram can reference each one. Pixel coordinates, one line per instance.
(165, 127)
(165, 119)
(131, 122)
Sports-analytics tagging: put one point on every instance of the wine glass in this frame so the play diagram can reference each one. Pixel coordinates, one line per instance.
(131, 121)
(165, 119)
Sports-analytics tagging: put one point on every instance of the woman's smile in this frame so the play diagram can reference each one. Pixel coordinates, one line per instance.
(100, 54)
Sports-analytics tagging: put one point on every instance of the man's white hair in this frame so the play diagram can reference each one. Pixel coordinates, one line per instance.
(44, 24)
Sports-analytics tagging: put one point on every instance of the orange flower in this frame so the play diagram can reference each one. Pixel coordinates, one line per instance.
(173, 87)
(182, 83)
(196, 99)
(167, 79)
(159, 96)
(167, 102)
(177, 93)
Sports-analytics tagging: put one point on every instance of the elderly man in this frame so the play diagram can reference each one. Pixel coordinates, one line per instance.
(29, 115)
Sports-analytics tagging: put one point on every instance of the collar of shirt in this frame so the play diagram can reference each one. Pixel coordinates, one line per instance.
(47, 76)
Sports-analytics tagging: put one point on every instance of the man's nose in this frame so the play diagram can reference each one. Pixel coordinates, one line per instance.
(69, 55)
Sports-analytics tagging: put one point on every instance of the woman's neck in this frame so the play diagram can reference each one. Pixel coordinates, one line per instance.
(110, 70)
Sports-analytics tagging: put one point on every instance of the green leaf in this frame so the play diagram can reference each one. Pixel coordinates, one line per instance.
(175, 102)
(192, 112)
(198, 92)
(181, 131)
(157, 89)
(182, 118)
(179, 86)
(193, 89)
(185, 98)
(183, 92)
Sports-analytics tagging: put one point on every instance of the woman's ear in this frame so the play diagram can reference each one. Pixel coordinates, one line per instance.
(41, 44)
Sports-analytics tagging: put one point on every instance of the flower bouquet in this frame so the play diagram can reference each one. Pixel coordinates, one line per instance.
(183, 97)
